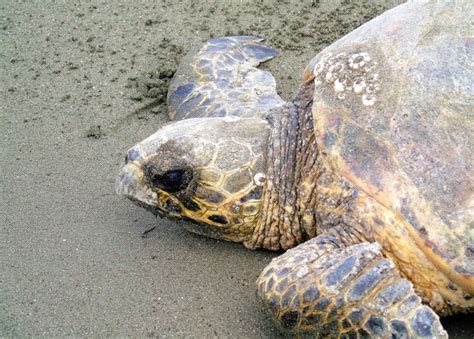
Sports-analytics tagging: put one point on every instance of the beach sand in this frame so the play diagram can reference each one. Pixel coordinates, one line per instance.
(80, 84)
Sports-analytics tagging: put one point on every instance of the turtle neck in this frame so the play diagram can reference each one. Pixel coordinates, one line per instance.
(286, 218)
(293, 209)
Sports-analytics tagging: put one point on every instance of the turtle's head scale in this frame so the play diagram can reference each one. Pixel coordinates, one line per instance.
(207, 172)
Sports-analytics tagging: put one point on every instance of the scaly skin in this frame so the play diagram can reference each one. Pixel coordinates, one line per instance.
(220, 78)
(325, 289)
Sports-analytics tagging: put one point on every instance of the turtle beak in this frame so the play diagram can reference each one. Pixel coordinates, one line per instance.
(130, 183)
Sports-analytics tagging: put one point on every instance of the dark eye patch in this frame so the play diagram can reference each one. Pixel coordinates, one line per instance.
(170, 181)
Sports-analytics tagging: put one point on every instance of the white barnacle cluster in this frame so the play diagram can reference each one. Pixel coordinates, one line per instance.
(259, 179)
(349, 74)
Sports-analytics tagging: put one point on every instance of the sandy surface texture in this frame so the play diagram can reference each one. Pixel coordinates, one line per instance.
(80, 83)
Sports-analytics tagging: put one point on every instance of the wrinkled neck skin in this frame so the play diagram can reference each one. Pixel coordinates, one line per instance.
(301, 199)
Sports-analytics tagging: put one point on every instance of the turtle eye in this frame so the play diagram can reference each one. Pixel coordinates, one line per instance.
(172, 181)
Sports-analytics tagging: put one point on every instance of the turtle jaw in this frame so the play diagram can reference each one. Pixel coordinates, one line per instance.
(130, 183)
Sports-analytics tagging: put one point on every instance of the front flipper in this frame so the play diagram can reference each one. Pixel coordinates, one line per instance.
(221, 78)
(325, 289)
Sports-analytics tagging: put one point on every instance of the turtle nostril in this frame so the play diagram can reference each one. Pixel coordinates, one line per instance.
(131, 155)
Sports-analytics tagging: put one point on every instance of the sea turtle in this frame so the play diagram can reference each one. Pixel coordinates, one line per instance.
(367, 172)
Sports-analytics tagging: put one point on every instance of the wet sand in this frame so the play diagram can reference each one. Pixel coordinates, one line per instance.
(80, 84)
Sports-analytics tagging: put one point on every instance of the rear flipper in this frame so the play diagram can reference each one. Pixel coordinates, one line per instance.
(325, 289)
(221, 79)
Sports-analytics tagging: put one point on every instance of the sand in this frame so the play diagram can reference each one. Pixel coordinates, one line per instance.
(80, 84)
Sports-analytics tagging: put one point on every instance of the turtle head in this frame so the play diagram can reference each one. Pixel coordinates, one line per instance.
(207, 172)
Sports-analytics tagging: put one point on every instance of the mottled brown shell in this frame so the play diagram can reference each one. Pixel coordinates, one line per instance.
(393, 111)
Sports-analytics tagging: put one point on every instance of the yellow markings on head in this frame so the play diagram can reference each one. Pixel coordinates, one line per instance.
(220, 196)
